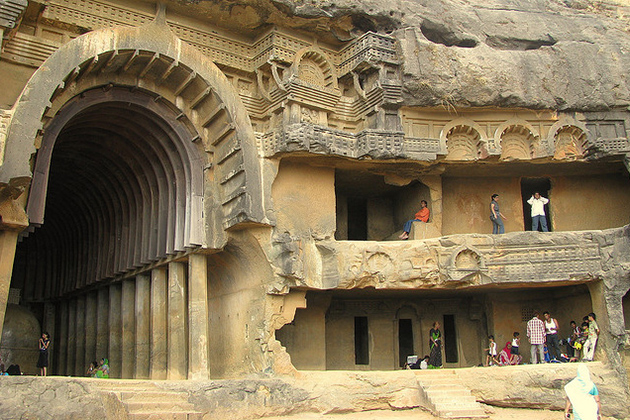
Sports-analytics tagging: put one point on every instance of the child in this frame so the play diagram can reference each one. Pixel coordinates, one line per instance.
(491, 358)
(424, 364)
(516, 342)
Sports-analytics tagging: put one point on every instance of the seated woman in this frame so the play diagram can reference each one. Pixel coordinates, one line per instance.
(421, 216)
(103, 369)
(506, 358)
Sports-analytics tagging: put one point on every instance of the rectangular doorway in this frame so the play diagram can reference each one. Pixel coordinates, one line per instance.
(357, 219)
(405, 341)
(450, 339)
(361, 341)
(529, 186)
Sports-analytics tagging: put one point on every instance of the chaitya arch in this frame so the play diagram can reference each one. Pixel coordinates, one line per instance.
(150, 59)
(138, 156)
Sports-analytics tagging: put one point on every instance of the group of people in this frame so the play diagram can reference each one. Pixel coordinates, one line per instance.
(98, 369)
(95, 370)
(537, 203)
(508, 356)
(545, 343)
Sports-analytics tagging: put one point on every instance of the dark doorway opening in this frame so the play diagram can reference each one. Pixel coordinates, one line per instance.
(529, 186)
(450, 339)
(370, 207)
(361, 342)
(357, 219)
(405, 341)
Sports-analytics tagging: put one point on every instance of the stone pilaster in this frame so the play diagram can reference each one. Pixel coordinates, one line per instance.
(79, 355)
(159, 330)
(102, 324)
(115, 331)
(128, 306)
(48, 325)
(12, 220)
(143, 326)
(71, 337)
(8, 241)
(177, 333)
(62, 339)
(198, 367)
(90, 329)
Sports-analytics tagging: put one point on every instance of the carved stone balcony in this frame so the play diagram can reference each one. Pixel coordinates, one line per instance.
(458, 261)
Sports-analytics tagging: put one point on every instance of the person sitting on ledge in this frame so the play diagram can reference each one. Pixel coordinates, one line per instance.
(421, 216)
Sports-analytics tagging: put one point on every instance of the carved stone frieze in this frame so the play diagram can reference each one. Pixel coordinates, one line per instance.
(229, 51)
(453, 261)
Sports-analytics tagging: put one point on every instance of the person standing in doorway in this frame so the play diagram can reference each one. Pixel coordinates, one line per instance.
(42, 362)
(435, 345)
(551, 334)
(536, 335)
(421, 216)
(496, 215)
(538, 212)
(591, 341)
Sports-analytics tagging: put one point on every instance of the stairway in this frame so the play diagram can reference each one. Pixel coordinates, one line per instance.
(144, 400)
(446, 396)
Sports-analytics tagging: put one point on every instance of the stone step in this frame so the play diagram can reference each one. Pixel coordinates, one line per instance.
(456, 406)
(183, 415)
(447, 399)
(462, 413)
(432, 393)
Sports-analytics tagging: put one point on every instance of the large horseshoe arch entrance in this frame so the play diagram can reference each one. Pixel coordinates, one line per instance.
(140, 156)
(118, 172)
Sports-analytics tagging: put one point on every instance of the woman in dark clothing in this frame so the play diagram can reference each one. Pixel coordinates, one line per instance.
(42, 363)
(435, 345)
(496, 215)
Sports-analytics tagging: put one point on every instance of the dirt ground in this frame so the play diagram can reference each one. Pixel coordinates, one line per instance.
(495, 413)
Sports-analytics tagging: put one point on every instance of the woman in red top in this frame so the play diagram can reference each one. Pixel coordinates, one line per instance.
(421, 216)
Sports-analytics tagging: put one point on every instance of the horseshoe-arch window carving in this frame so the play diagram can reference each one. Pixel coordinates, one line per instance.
(517, 142)
(569, 143)
(313, 67)
(463, 143)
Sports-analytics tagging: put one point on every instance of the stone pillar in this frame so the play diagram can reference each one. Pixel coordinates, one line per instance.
(159, 330)
(606, 348)
(13, 219)
(90, 329)
(198, 317)
(72, 336)
(128, 307)
(8, 242)
(143, 326)
(177, 334)
(62, 339)
(101, 349)
(79, 355)
(49, 326)
(114, 353)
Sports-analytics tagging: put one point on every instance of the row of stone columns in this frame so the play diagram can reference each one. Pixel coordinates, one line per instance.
(151, 326)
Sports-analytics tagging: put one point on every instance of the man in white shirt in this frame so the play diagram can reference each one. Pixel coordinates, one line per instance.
(538, 211)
